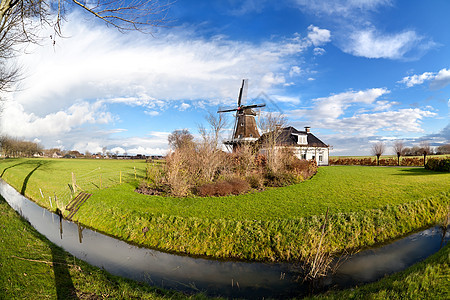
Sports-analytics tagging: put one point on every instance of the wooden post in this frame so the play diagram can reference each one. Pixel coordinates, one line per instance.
(74, 183)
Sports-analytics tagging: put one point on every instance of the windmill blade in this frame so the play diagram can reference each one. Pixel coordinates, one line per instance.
(240, 93)
(244, 91)
(226, 110)
(253, 106)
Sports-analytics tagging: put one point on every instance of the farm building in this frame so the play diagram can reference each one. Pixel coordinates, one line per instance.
(303, 144)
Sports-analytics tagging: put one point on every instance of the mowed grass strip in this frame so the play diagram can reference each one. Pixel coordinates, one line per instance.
(31, 267)
(368, 205)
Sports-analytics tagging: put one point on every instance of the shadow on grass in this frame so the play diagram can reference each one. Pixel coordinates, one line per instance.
(418, 172)
(60, 262)
(25, 181)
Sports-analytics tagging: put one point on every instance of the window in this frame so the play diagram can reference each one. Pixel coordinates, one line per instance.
(304, 156)
(320, 158)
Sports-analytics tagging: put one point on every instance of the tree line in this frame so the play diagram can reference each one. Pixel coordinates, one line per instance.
(14, 147)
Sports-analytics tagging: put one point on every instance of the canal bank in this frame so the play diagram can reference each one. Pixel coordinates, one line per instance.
(230, 279)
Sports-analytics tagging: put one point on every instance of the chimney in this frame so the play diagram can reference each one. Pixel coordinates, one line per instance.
(307, 129)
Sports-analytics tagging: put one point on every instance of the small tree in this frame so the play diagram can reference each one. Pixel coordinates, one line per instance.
(378, 150)
(271, 125)
(399, 147)
(180, 138)
(425, 148)
(444, 149)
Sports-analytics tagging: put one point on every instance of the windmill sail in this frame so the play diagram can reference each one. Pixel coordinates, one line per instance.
(245, 129)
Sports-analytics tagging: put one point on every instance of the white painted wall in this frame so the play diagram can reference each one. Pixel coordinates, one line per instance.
(319, 154)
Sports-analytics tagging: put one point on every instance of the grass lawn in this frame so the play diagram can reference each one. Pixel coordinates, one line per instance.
(367, 205)
(429, 279)
(31, 267)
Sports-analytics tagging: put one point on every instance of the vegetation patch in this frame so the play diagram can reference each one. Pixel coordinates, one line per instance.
(200, 169)
(440, 165)
(425, 280)
(31, 267)
(366, 206)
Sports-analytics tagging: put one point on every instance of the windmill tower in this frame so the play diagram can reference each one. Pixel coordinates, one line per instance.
(245, 130)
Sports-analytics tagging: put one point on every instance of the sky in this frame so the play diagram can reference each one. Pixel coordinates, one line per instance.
(355, 71)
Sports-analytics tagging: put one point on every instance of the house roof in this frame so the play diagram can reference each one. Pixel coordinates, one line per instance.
(289, 136)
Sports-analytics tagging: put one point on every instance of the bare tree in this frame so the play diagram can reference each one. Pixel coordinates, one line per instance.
(217, 123)
(443, 149)
(271, 125)
(399, 148)
(180, 138)
(425, 148)
(377, 150)
(21, 19)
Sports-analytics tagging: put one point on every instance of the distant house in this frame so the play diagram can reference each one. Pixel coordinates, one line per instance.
(303, 144)
(56, 155)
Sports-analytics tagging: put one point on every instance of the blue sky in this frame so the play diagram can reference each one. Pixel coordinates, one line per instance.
(356, 71)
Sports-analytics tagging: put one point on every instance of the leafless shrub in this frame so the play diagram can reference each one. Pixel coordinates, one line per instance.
(378, 150)
(271, 125)
(234, 186)
(319, 263)
(399, 148)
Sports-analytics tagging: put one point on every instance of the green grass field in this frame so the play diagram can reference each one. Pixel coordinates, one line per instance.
(31, 267)
(367, 205)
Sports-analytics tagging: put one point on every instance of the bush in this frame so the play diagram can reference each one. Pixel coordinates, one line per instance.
(440, 165)
(256, 180)
(234, 186)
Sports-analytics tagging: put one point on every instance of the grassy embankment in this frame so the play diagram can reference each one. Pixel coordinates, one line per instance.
(368, 205)
(428, 279)
(33, 268)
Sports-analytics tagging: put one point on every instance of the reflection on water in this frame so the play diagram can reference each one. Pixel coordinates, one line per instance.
(224, 278)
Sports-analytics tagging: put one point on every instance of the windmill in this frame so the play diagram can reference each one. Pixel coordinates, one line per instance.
(245, 129)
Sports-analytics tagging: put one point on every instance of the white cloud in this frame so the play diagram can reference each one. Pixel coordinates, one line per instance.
(384, 105)
(441, 80)
(341, 7)
(317, 36)
(118, 150)
(335, 105)
(18, 122)
(402, 120)
(99, 63)
(371, 44)
(184, 106)
(295, 70)
(319, 51)
(413, 80)
(152, 113)
(329, 113)
(437, 80)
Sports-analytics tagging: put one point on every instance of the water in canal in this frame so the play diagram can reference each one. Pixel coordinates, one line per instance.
(213, 277)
